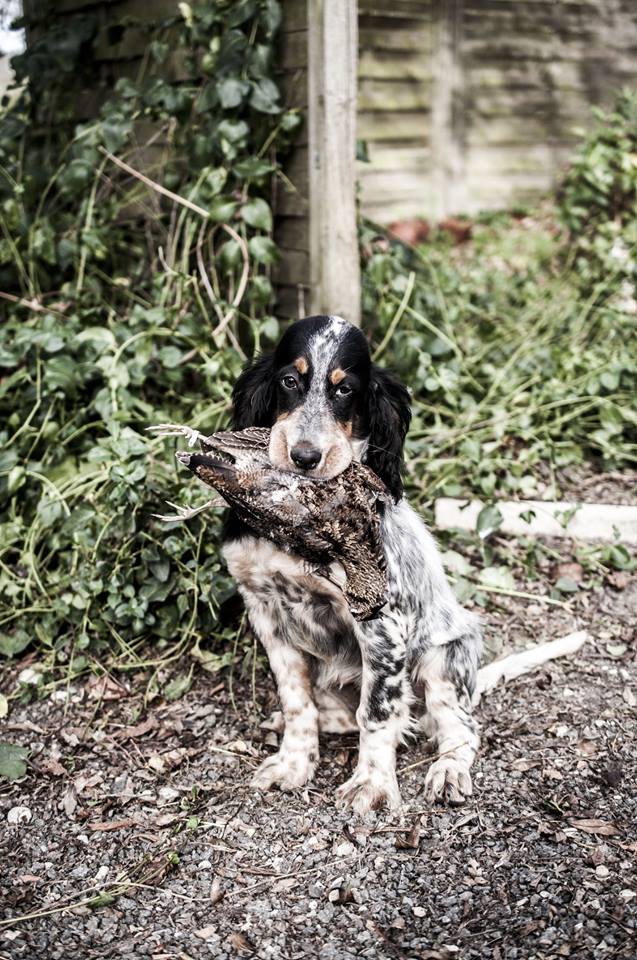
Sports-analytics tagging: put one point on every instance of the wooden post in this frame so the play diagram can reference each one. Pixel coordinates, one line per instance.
(446, 109)
(332, 67)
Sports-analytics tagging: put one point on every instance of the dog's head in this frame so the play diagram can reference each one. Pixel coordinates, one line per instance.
(326, 402)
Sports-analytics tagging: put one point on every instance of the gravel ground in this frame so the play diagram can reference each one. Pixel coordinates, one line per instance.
(141, 839)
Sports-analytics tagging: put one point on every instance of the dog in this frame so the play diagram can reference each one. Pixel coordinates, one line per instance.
(413, 668)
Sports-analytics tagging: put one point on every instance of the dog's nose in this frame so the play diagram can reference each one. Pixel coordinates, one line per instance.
(304, 455)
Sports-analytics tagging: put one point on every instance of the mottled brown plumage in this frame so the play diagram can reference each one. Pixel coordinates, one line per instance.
(321, 520)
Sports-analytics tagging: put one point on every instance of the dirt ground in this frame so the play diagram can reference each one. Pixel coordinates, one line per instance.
(139, 836)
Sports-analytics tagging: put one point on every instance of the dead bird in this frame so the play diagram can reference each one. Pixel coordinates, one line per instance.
(323, 521)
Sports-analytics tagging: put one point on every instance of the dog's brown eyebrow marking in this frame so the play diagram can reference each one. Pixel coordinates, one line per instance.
(337, 376)
(301, 365)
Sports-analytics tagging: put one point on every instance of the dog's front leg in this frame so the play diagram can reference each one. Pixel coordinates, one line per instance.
(382, 716)
(448, 677)
(296, 760)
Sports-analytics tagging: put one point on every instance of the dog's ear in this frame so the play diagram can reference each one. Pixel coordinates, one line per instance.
(254, 396)
(389, 414)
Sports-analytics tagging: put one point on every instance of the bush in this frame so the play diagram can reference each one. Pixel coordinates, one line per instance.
(122, 311)
(598, 197)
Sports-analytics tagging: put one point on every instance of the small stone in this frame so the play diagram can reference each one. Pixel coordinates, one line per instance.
(602, 871)
(18, 815)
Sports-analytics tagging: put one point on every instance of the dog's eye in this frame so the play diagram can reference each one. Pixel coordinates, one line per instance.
(289, 383)
(343, 390)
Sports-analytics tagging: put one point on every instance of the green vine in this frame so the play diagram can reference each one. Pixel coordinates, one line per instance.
(123, 307)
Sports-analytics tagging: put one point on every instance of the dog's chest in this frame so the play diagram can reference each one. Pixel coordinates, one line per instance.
(285, 596)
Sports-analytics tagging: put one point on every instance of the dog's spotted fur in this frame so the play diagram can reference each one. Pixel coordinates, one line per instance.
(327, 403)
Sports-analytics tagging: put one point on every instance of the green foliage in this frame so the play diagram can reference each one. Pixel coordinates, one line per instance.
(598, 198)
(122, 310)
(514, 367)
(12, 761)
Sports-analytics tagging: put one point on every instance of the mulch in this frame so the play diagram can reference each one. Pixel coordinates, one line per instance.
(134, 833)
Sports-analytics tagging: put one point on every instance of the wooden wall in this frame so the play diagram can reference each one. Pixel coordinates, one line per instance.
(291, 201)
(395, 106)
(475, 104)
(464, 104)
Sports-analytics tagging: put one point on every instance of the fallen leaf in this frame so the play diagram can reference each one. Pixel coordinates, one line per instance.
(157, 869)
(217, 893)
(69, 801)
(411, 841)
(629, 697)
(107, 825)
(105, 688)
(51, 766)
(12, 757)
(601, 828)
(619, 579)
(137, 730)
(597, 856)
(240, 943)
(572, 571)
(524, 763)
(160, 763)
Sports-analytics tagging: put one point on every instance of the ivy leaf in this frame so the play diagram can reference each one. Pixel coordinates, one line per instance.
(231, 92)
(499, 577)
(263, 249)
(178, 687)
(252, 168)
(14, 643)
(215, 181)
(489, 520)
(566, 585)
(221, 209)
(272, 16)
(233, 130)
(12, 757)
(240, 12)
(207, 99)
(265, 95)
(257, 214)
(291, 120)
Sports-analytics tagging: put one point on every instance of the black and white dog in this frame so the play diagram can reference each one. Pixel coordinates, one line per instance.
(328, 404)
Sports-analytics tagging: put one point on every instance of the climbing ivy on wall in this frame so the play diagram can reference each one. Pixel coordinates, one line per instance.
(122, 308)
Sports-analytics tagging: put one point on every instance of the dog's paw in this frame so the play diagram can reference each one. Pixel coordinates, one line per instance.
(369, 790)
(448, 780)
(287, 770)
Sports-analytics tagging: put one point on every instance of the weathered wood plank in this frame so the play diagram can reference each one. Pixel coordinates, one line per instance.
(391, 95)
(292, 268)
(376, 38)
(293, 301)
(294, 15)
(396, 156)
(398, 8)
(332, 136)
(405, 125)
(388, 65)
(293, 233)
(292, 50)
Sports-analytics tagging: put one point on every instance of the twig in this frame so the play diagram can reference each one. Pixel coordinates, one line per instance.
(434, 757)
(225, 320)
(397, 316)
(154, 185)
